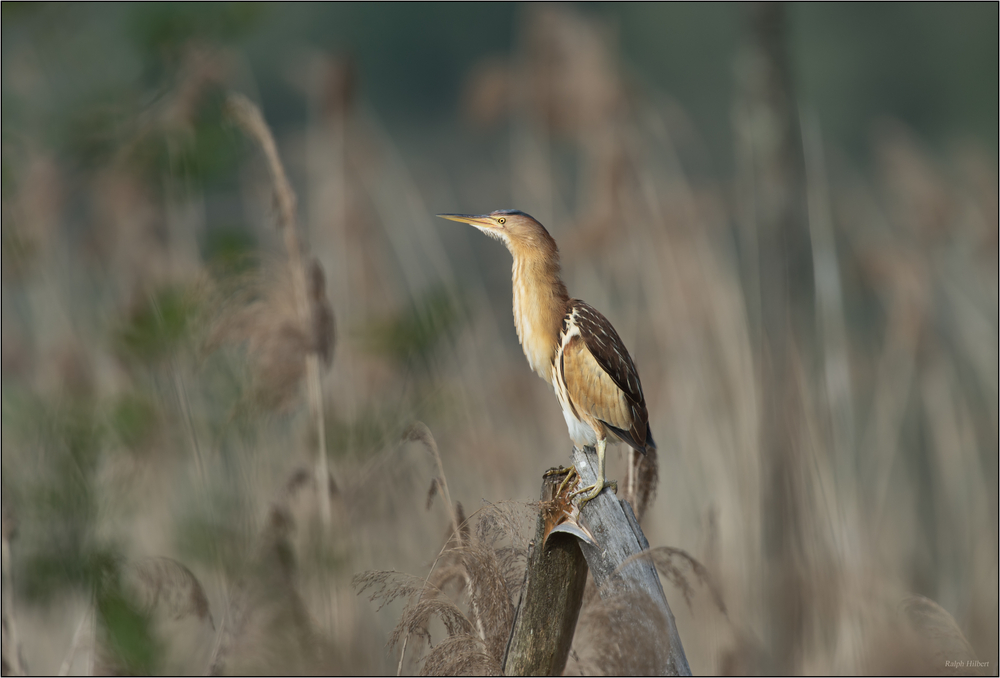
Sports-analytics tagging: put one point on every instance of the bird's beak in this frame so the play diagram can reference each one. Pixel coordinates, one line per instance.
(479, 221)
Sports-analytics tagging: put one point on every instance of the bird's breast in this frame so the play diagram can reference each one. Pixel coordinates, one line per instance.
(537, 316)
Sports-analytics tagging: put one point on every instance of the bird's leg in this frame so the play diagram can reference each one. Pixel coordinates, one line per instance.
(632, 475)
(592, 491)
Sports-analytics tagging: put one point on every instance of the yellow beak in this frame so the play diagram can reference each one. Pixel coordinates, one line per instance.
(480, 220)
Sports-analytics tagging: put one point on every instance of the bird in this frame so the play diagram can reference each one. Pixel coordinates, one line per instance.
(569, 344)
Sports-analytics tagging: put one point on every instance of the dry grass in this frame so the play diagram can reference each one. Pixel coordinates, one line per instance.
(471, 589)
(162, 399)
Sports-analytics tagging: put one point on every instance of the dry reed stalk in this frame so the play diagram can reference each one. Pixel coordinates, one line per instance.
(906, 299)
(262, 314)
(185, 406)
(270, 629)
(770, 133)
(419, 432)
(271, 625)
(433, 269)
(831, 328)
(307, 286)
(74, 645)
(189, 427)
(13, 661)
(487, 574)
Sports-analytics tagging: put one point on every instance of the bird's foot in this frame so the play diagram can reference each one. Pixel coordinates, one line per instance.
(591, 491)
(571, 476)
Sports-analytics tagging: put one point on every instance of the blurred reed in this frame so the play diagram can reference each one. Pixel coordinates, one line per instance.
(158, 334)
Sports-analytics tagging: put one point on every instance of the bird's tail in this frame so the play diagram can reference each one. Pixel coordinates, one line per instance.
(643, 476)
(650, 443)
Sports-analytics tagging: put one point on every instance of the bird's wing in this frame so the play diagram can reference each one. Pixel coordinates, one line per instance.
(601, 378)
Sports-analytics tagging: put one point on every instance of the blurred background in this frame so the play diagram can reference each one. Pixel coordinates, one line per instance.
(788, 213)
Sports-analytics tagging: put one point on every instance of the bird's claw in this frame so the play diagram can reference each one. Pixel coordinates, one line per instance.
(590, 492)
(573, 476)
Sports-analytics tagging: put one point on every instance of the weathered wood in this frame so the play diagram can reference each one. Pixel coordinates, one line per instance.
(618, 537)
(550, 600)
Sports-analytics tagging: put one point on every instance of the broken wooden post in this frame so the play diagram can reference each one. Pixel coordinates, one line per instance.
(616, 565)
(550, 598)
(610, 542)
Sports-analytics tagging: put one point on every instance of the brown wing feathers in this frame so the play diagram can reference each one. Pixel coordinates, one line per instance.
(627, 418)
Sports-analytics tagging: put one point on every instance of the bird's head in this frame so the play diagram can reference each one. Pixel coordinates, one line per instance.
(520, 232)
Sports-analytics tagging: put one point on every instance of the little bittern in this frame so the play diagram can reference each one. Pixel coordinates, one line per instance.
(569, 343)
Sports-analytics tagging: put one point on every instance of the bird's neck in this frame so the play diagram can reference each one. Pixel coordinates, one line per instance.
(540, 302)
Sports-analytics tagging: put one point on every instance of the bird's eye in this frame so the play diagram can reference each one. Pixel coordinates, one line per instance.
(501, 220)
